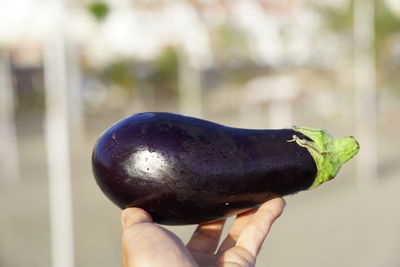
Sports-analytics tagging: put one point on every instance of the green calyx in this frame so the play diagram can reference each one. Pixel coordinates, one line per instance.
(329, 154)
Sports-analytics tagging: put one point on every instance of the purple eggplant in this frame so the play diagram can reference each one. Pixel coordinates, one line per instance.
(184, 170)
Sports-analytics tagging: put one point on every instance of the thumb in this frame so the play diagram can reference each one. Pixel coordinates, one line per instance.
(132, 216)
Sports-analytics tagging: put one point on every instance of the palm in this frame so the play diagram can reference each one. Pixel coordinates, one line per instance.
(145, 242)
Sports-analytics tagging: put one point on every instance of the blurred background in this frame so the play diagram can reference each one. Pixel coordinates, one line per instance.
(69, 69)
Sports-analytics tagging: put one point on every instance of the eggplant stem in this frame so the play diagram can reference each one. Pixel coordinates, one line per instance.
(346, 148)
(328, 154)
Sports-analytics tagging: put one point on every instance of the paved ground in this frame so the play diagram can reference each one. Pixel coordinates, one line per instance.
(339, 224)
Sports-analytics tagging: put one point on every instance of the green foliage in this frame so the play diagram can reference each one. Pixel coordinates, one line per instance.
(99, 10)
(337, 19)
(121, 73)
(165, 73)
(230, 44)
(166, 64)
(161, 74)
(386, 25)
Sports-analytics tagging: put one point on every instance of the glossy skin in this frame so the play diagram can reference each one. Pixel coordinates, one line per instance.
(184, 170)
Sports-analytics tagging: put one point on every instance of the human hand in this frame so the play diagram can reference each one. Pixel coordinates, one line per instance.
(147, 244)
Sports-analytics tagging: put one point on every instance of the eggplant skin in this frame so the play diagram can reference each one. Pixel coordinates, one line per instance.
(184, 170)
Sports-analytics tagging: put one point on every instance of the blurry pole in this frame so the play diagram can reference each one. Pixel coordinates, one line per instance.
(58, 146)
(77, 119)
(189, 78)
(58, 154)
(365, 91)
(74, 82)
(8, 135)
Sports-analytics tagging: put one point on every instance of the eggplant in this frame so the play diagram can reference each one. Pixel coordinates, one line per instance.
(184, 170)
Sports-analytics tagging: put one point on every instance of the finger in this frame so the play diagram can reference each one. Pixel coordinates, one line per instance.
(237, 227)
(131, 216)
(257, 228)
(143, 242)
(206, 237)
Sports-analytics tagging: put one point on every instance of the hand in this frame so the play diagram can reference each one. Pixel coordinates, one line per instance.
(147, 244)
